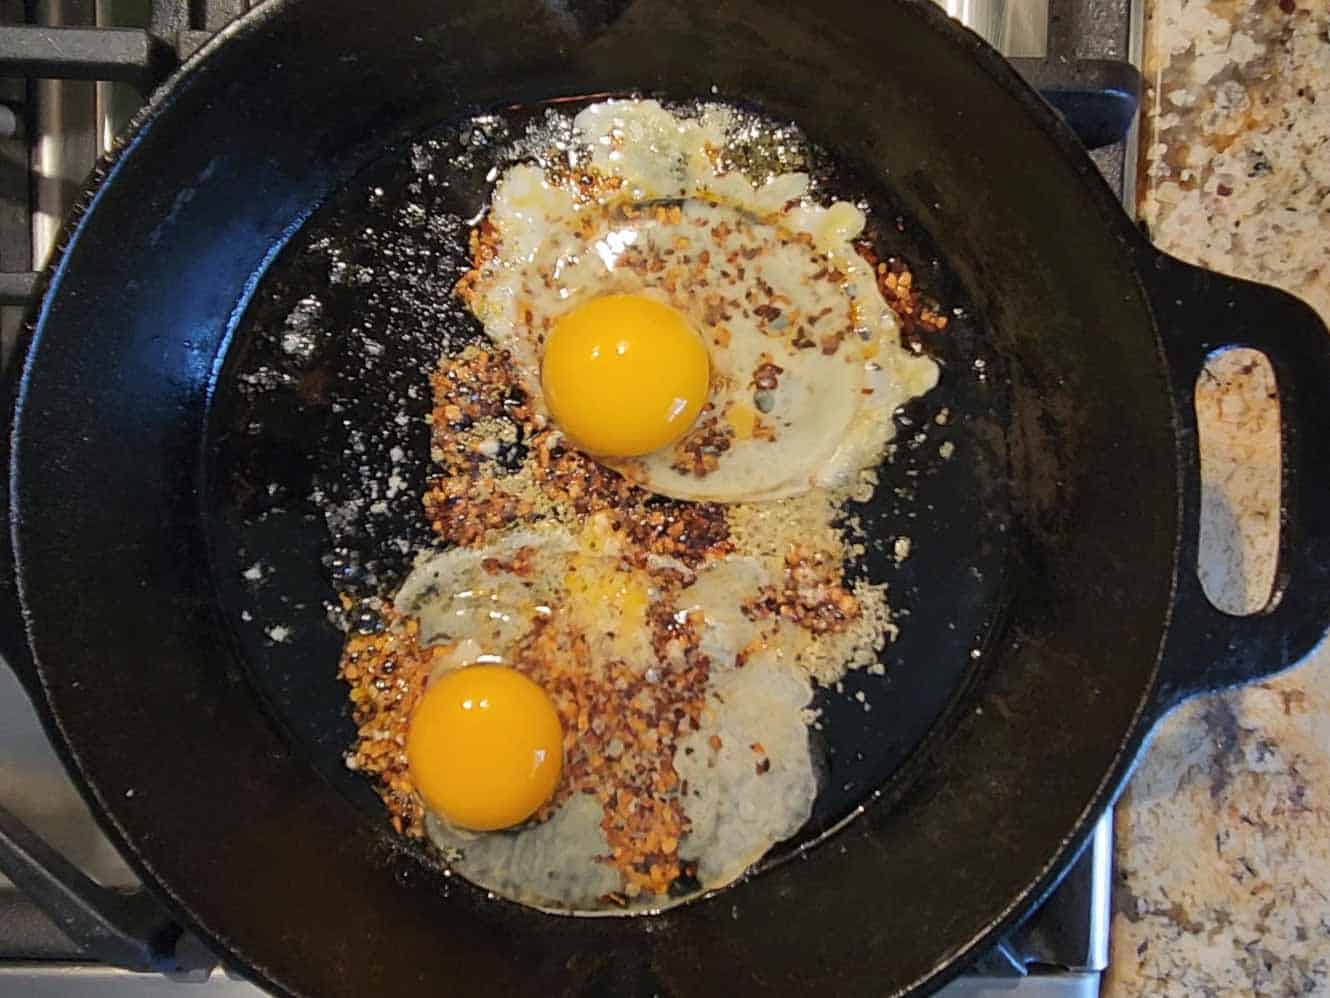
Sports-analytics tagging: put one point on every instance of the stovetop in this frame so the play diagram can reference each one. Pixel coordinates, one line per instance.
(71, 92)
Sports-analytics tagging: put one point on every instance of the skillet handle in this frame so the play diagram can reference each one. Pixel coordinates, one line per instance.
(1096, 97)
(1198, 313)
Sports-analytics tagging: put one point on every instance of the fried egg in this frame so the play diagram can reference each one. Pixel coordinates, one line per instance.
(743, 774)
(710, 337)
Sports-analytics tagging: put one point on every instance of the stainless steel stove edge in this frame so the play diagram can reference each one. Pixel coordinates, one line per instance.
(54, 980)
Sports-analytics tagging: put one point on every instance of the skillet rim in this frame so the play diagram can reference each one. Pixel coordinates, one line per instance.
(1116, 223)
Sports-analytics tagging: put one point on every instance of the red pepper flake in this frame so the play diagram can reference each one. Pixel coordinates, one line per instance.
(1223, 190)
(767, 375)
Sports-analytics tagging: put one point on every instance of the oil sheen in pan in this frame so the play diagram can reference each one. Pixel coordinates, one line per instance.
(319, 440)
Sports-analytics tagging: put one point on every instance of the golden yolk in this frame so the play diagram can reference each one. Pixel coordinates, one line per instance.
(624, 375)
(484, 747)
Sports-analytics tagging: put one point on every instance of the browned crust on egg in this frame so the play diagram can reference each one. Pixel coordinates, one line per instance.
(812, 593)
(698, 451)
(477, 399)
(386, 672)
(484, 245)
(915, 310)
(621, 724)
(767, 375)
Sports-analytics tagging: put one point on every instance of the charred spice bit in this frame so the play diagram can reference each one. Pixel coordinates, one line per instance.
(896, 283)
(698, 451)
(691, 532)
(767, 375)
(387, 671)
(811, 594)
(620, 728)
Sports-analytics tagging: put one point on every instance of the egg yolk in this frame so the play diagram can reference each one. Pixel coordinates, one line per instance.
(624, 375)
(484, 747)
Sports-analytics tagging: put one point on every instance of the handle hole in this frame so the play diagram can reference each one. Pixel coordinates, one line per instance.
(1237, 415)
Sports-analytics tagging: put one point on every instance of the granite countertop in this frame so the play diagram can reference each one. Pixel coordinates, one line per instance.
(1223, 837)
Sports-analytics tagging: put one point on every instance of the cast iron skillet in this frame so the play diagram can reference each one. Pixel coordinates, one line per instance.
(1030, 683)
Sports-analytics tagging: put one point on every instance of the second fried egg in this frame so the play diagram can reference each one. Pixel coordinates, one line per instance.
(728, 745)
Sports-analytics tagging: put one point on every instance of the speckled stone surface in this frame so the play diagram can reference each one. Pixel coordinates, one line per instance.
(1223, 851)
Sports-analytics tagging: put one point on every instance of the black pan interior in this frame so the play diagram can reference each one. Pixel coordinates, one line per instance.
(319, 456)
